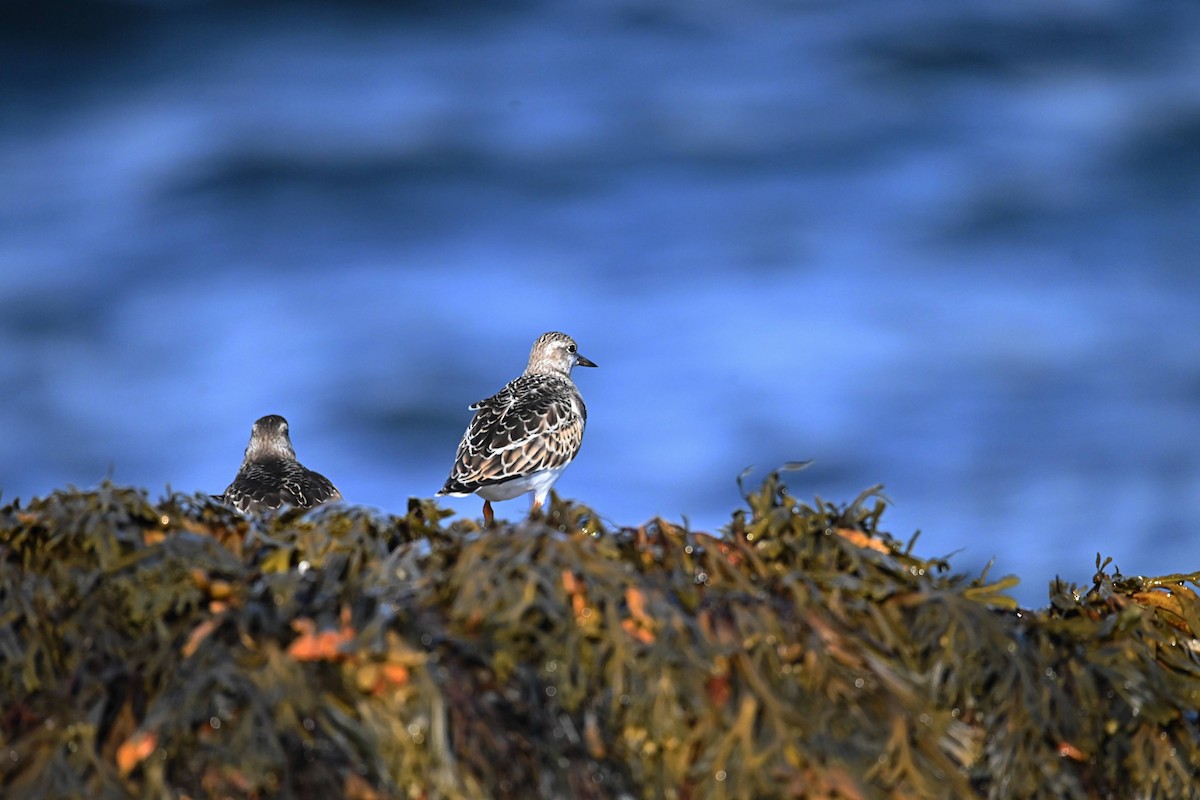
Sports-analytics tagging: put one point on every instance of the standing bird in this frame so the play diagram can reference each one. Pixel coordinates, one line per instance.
(270, 475)
(524, 436)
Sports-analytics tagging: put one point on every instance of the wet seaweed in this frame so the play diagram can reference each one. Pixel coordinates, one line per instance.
(175, 648)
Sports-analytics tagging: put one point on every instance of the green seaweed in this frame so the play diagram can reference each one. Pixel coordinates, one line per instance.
(176, 649)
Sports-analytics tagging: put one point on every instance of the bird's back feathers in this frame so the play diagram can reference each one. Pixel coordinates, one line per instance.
(534, 423)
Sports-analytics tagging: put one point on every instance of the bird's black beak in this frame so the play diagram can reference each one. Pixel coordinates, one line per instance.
(580, 361)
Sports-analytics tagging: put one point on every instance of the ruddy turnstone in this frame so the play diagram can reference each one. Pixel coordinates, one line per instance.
(524, 436)
(270, 475)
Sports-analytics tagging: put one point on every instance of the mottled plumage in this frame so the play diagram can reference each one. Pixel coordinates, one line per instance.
(271, 477)
(525, 435)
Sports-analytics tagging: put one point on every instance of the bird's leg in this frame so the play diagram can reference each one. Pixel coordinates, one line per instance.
(489, 517)
(535, 510)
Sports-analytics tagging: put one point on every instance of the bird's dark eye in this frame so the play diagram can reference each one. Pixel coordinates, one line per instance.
(571, 348)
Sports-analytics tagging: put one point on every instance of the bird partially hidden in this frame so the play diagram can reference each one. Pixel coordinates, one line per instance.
(270, 476)
(523, 437)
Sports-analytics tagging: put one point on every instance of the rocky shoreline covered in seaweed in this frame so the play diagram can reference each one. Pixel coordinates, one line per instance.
(173, 648)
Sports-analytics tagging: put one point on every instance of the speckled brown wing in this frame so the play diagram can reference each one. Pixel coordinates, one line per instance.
(266, 485)
(534, 423)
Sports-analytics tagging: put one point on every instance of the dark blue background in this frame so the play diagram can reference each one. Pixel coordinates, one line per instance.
(950, 247)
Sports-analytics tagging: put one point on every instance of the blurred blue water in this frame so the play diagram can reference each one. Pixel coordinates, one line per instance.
(946, 247)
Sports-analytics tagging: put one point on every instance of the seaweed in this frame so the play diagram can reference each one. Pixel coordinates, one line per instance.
(177, 649)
